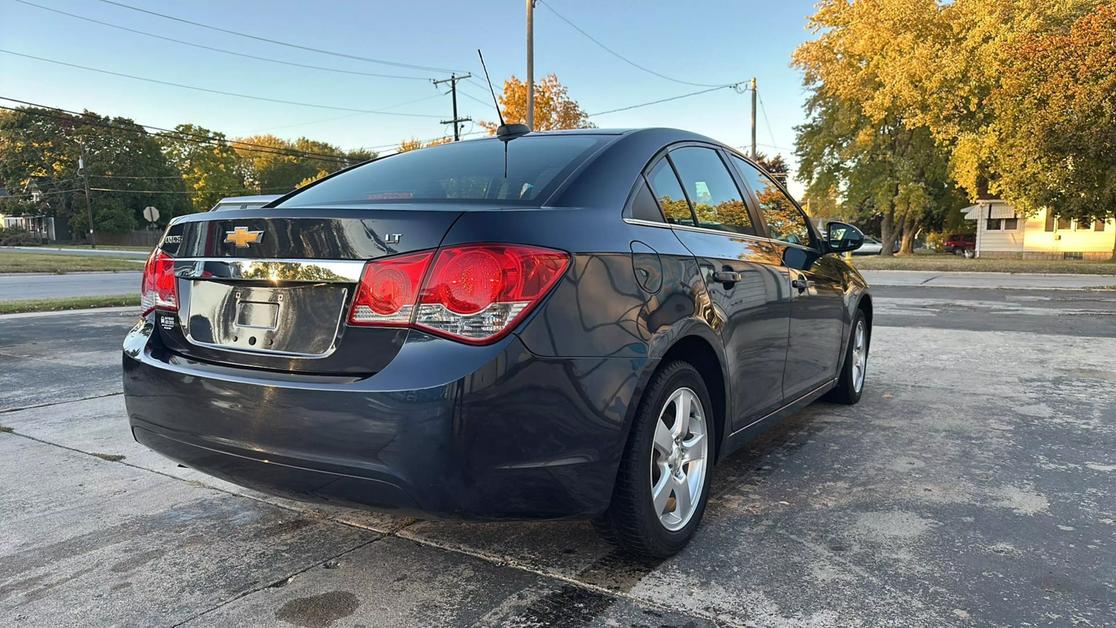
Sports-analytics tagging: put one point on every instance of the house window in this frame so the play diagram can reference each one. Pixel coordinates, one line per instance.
(1064, 223)
(993, 224)
(1098, 225)
(1011, 224)
(1049, 220)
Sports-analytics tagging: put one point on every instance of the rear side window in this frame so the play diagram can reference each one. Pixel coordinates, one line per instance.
(784, 220)
(668, 192)
(643, 205)
(717, 201)
(459, 171)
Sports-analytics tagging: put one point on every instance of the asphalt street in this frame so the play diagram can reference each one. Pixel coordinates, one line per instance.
(16, 286)
(101, 252)
(974, 484)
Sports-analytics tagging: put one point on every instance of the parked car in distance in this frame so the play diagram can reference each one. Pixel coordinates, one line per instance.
(871, 246)
(582, 330)
(244, 202)
(959, 243)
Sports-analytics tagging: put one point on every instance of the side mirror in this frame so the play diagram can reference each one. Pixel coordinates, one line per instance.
(842, 237)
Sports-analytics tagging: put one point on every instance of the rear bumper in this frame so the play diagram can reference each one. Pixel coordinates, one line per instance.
(446, 429)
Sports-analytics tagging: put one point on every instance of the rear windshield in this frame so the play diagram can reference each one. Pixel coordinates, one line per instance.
(461, 171)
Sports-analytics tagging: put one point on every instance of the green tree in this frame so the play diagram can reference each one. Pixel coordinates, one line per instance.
(126, 167)
(210, 171)
(279, 167)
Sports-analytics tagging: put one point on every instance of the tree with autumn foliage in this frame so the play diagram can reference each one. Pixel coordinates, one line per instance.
(914, 101)
(554, 109)
(857, 146)
(1055, 131)
(415, 144)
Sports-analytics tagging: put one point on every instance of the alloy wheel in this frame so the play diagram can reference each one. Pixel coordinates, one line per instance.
(679, 456)
(860, 356)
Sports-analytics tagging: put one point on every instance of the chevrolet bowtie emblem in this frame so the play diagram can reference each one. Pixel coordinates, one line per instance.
(242, 237)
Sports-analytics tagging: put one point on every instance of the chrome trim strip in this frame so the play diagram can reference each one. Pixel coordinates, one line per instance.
(730, 234)
(274, 270)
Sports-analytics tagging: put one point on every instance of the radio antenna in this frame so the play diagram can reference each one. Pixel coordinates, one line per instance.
(491, 90)
(505, 132)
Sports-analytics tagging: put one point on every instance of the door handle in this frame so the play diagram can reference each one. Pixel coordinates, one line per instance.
(726, 276)
(801, 283)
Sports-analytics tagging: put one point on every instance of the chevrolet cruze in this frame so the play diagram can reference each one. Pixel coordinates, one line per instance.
(551, 325)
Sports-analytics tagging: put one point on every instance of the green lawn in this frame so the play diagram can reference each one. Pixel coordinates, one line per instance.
(46, 263)
(69, 303)
(110, 247)
(948, 263)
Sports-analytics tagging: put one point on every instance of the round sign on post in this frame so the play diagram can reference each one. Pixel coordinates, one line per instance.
(151, 214)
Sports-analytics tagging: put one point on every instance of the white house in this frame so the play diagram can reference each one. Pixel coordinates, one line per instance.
(1002, 233)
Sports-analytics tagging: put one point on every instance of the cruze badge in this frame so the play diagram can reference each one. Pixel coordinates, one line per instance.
(242, 237)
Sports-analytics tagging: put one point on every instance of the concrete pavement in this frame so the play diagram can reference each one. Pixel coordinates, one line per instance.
(973, 484)
(16, 286)
(995, 281)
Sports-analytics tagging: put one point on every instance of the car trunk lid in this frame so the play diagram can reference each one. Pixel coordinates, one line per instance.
(271, 288)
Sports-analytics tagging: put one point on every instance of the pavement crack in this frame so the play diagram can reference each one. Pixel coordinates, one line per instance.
(58, 403)
(283, 581)
(504, 561)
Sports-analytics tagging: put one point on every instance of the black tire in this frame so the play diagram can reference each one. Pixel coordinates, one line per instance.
(847, 391)
(631, 521)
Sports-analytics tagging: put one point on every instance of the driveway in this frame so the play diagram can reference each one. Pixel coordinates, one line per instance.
(975, 483)
(15, 286)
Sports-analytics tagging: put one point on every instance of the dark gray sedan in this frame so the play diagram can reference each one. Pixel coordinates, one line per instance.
(573, 324)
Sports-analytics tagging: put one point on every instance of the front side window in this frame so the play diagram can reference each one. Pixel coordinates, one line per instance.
(459, 171)
(668, 192)
(717, 201)
(785, 222)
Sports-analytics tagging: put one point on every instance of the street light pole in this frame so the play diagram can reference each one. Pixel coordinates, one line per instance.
(531, 64)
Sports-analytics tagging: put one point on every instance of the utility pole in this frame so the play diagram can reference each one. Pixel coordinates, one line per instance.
(88, 203)
(531, 64)
(452, 80)
(753, 88)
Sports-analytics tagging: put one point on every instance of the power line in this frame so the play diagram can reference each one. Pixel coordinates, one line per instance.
(617, 54)
(196, 138)
(763, 110)
(218, 91)
(223, 192)
(121, 176)
(222, 50)
(182, 135)
(349, 115)
(662, 100)
(280, 43)
(32, 194)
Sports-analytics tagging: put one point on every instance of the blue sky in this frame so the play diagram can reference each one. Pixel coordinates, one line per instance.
(706, 41)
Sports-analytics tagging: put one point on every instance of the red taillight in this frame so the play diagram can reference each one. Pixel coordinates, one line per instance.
(159, 289)
(388, 289)
(472, 293)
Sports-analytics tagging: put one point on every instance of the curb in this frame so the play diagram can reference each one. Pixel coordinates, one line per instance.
(85, 310)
